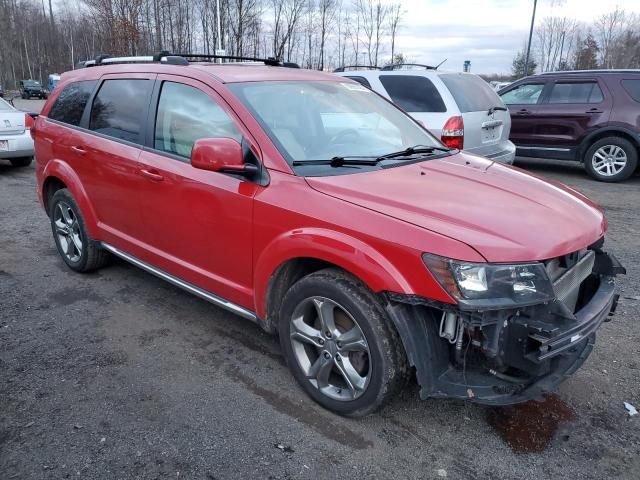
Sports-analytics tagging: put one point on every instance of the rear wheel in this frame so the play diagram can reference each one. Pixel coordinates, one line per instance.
(21, 162)
(611, 159)
(78, 250)
(340, 344)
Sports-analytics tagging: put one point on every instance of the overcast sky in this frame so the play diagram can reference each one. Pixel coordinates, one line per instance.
(487, 32)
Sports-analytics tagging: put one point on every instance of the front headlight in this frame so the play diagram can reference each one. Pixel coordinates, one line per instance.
(491, 285)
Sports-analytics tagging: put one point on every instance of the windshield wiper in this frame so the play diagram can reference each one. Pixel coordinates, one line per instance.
(338, 161)
(368, 160)
(495, 109)
(415, 150)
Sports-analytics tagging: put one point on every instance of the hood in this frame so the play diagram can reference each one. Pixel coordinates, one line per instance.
(504, 213)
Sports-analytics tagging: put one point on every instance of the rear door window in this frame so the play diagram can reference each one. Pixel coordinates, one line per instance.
(576, 92)
(186, 114)
(413, 93)
(632, 87)
(525, 94)
(361, 81)
(471, 93)
(70, 104)
(120, 108)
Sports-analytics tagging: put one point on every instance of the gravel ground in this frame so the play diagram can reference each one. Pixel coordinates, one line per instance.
(117, 374)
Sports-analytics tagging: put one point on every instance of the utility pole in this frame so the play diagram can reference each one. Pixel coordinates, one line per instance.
(533, 19)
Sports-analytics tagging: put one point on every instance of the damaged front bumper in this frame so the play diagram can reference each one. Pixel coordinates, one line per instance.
(502, 357)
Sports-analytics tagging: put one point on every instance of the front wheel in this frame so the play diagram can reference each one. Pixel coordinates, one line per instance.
(611, 159)
(340, 344)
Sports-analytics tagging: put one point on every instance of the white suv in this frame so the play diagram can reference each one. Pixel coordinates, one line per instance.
(459, 108)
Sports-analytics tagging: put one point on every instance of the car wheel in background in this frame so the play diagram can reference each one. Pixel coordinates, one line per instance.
(340, 344)
(611, 159)
(78, 250)
(21, 161)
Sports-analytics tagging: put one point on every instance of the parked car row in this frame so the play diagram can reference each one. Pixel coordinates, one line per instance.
(330, 217)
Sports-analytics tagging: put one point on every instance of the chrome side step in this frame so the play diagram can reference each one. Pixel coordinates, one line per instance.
(210, 297)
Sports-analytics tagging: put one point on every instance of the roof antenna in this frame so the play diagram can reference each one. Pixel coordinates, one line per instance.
(438, 66)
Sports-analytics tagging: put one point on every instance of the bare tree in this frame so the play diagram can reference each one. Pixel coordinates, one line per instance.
(609, 28)
(395, 14)
(372, 15)
(326, 17)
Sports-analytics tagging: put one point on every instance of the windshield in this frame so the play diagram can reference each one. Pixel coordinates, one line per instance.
(31, 83)
(321, 120)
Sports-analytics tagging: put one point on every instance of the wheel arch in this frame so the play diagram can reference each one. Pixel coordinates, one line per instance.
(611, 131)
(59, 174)
(296, 254)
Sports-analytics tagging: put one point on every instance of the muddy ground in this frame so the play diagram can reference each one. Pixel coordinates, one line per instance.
(117, 374)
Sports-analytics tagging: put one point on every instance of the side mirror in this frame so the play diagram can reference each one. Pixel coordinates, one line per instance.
(221, 155)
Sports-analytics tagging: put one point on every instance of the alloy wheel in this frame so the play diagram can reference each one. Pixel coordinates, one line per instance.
(68, 231)
(330, 348)
(609, 160)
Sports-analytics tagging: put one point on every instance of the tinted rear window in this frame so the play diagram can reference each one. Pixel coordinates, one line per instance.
(120, 107)
(471, 93)
(413, 93)
(578, 92)
(70, 104)
(633, 88)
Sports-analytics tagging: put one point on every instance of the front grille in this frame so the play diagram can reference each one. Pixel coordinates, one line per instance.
(567, 285)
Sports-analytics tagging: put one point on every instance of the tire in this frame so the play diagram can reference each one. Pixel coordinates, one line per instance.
(372, 355)
(599, 157)
(78, 250)
(21, 161)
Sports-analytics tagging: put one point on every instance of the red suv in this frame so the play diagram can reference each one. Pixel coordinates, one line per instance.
(591, 117)
(316, 208)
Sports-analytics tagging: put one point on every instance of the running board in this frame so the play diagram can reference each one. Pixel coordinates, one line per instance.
(197, 291)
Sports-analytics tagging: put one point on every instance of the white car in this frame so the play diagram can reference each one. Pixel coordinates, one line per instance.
(16, 144)
(459, 108)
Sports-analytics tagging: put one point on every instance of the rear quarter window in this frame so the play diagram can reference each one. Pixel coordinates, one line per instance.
(576, 92)
(413, 93)
(632, 87)
(120, 107)
(70, 104)
(471, 93)
(361, 81)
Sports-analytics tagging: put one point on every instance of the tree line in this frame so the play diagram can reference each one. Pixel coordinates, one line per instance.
(38, 38)
(561, 43)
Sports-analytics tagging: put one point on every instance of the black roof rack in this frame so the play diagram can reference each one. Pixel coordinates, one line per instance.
(398, 66)
(356, 67)
(168, 58)
(599, 71)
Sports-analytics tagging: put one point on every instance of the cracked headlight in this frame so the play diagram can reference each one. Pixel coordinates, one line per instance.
(491, 285)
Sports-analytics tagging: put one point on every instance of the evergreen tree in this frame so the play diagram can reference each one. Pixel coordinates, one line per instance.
(587, 54)
(517, 67)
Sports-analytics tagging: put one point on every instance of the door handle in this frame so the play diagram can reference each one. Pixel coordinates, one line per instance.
(152, 175)
(593, 110)
(523, 111)
(78, 150)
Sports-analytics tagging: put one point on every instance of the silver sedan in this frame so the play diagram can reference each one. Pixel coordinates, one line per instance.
(16, 144)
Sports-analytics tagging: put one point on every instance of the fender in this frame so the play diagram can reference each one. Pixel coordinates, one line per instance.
(347, 252)
(63, 171)
(612, 129)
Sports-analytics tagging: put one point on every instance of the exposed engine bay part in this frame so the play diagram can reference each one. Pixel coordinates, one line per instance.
(511, 355)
